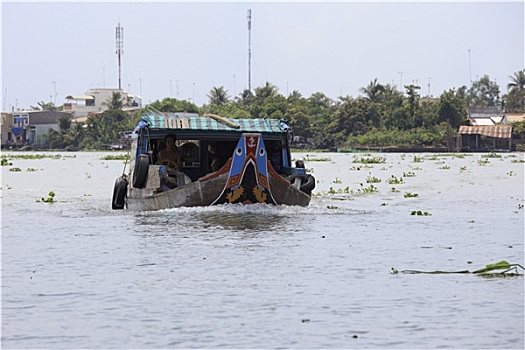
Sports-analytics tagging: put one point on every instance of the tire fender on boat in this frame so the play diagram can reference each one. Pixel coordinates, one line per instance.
(140, 173)
(119, 193)
(307, 182)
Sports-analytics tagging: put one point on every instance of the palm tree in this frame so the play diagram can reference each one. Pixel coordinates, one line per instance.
(266, 91)
(218, 96)
(515, 99)
(373, 91)
(517, 81)
(115, 101)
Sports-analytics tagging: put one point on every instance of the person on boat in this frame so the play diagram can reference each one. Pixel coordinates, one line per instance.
(170, 155)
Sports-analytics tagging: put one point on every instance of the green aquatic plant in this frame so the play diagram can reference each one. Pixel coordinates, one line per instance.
(31, 169)
(373, 160)
(518, 161)
(372, 180)
(418, 159)
(411, 195)
(332, 207)
(15, 169)
(445, 167)
(409, 174)
(511, 173)
(38, 156)
(491, 155)
(50, 198)
(369, 189)
(308, 158)
(484, 161)
(333, 191)
(5, 162)
(116, 157)
(420, 213)
(394, 180)
(337, 181)
(463, 168)
(499, 269)
(394, 190)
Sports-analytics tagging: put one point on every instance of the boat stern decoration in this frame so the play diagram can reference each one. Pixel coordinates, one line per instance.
(224, 160)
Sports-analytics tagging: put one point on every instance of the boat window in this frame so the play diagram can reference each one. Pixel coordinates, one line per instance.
(191, 157)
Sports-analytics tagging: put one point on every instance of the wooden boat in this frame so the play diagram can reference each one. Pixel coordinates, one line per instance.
(223, 161)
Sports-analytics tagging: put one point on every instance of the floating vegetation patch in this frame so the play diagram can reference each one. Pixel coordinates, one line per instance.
(332, 207)
(511, 173)
(50, 198)
(463, 168)
(518, 161)
(446, 167)
(337, 181)
(5, 162)
(394, 180)
(411, 195)
(15, 169)
(116, 157)
(394, 190)
(483, 161)
(369, 189)
(418, 159)
(332, 191)
(491, 155)
(309, 158)
(30, 169)
(499, 269)
(39, 156)
(420, 213)
(372, 160)
(409, 174)
(372, 180)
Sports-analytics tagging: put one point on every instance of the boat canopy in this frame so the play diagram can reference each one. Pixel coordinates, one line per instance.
(211, 123)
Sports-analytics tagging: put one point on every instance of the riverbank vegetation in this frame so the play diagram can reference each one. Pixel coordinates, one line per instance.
(382, 116)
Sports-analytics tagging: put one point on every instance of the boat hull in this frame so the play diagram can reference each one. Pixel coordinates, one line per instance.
(213, 190)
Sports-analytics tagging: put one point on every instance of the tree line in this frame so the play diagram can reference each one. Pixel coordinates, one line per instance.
(382, 116)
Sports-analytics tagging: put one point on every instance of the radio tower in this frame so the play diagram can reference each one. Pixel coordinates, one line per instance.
(120, 50)
(249, 50)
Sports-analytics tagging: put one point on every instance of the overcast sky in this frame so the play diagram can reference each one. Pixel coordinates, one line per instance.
(184, 49)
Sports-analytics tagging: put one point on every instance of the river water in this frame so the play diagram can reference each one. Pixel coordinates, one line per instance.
(76, 274)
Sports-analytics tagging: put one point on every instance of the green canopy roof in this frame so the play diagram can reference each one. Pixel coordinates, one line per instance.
(194, 122)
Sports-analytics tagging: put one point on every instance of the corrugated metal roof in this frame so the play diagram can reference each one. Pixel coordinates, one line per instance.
(481, 121)
(515, 117)
(195, 122)
(496, 131)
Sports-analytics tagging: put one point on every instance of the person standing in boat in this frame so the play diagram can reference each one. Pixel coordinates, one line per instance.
(170, 155)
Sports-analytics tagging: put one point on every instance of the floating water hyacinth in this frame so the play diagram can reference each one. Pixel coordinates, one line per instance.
(499, 269)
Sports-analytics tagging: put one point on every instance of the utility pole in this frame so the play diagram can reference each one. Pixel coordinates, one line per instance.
(55, 91)
(250, 50)
(469, 67)
(120, 50)
(400, 81)
(429, 78)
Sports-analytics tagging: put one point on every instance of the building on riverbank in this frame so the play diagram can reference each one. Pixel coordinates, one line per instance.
(95, 101)
(29, 127)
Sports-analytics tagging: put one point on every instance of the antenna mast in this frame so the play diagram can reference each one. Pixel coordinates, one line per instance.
(120, 50)
(249, 50)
